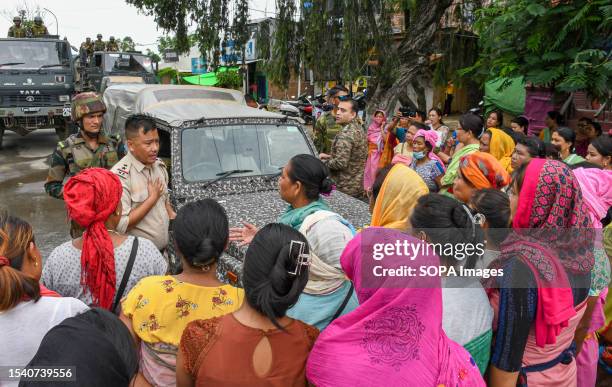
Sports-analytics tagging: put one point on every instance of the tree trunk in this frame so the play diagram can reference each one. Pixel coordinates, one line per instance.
(413, 53)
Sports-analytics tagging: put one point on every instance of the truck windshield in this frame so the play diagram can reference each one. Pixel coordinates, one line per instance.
(258, 149)
(128, 63)
(31, 54)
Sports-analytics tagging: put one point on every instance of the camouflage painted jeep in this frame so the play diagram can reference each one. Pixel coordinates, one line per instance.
(217, 147)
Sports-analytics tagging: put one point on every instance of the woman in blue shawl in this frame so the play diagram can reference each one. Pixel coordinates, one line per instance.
(329, 293)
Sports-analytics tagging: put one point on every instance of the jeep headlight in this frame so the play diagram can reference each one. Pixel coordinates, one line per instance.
(64, 98)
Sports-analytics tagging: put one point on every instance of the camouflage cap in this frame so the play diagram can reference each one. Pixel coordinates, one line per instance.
(16, 18)
(86, 103)
(99, 36)
(38, 19)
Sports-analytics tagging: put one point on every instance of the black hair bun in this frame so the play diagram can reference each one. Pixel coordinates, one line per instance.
(206, 253)
(327, 185)
(460, 217)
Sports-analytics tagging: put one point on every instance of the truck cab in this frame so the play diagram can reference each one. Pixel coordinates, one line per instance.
(111, 68)
(36, 85)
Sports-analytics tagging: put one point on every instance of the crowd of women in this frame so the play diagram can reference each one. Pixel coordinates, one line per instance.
(305, 313)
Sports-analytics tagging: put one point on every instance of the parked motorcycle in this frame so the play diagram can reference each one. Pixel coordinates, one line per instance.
(304, 106)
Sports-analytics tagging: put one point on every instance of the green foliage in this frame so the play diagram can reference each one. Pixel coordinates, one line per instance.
(558, 46)
(355, 40)
(170, 43)
(285, 50)
(127, 44)
(322, 40)
(210, 17)
(239, 28)
(153, 55)
(263, 40)
(170, 73)
(229, 80)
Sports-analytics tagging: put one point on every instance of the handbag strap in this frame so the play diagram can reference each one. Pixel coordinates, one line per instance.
(344, 302)
(126, 275)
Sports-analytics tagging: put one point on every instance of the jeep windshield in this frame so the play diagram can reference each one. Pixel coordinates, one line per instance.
(32, 54)
(261, 149)
(121, 62)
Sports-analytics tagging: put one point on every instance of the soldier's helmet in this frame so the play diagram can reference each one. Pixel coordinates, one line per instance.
(99, 36)
(88, 39)
(38, 20)
(86, 103)
(112, 38)
(17, 19)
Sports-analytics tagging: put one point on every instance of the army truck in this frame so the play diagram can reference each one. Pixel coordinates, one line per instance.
(111, 68)
(36, 85)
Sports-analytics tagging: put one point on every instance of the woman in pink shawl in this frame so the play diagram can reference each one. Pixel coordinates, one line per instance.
(425, 162)
(376, 138)
(395, 336)
(596, 187)
(541, 297)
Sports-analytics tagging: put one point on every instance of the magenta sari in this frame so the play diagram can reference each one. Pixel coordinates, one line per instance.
(395, 336)
(376, 143)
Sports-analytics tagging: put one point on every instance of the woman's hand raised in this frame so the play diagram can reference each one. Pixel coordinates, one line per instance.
(243, 235)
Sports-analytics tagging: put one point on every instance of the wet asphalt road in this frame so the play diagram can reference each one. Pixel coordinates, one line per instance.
(23, 169)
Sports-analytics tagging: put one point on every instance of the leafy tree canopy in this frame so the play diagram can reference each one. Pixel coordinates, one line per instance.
(211, 19)
(561, 44)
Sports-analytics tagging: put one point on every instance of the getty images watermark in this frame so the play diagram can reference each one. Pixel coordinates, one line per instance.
(459, 257)
(413, 249)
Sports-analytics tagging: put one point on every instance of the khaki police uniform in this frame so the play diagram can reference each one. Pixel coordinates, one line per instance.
(135, 177)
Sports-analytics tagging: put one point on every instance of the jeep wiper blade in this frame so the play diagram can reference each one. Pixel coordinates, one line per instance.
(275, 175)
(49, 65)
(226, 174)
(11, 63)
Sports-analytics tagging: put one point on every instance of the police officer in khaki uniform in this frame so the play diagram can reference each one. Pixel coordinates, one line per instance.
(146, 208)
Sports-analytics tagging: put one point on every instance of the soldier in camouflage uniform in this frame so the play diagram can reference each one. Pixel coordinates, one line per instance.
(86, 50)
(326, 127)
(99, 44)
(112, 45)
(39, 29)
(86, 149)
(16, 30)
(348, 152)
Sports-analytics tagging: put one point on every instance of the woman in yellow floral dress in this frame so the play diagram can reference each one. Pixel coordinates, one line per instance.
(158, 308)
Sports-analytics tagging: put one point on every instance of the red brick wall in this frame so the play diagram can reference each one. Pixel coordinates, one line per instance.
(277, 93)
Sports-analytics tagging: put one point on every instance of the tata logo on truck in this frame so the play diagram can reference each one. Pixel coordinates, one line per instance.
(29, 92)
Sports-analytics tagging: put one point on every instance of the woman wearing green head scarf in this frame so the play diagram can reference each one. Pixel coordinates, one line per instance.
(328, 293)
(470, 128)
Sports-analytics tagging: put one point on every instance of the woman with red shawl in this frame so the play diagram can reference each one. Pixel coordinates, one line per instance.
(91, 268)
(546, 262)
